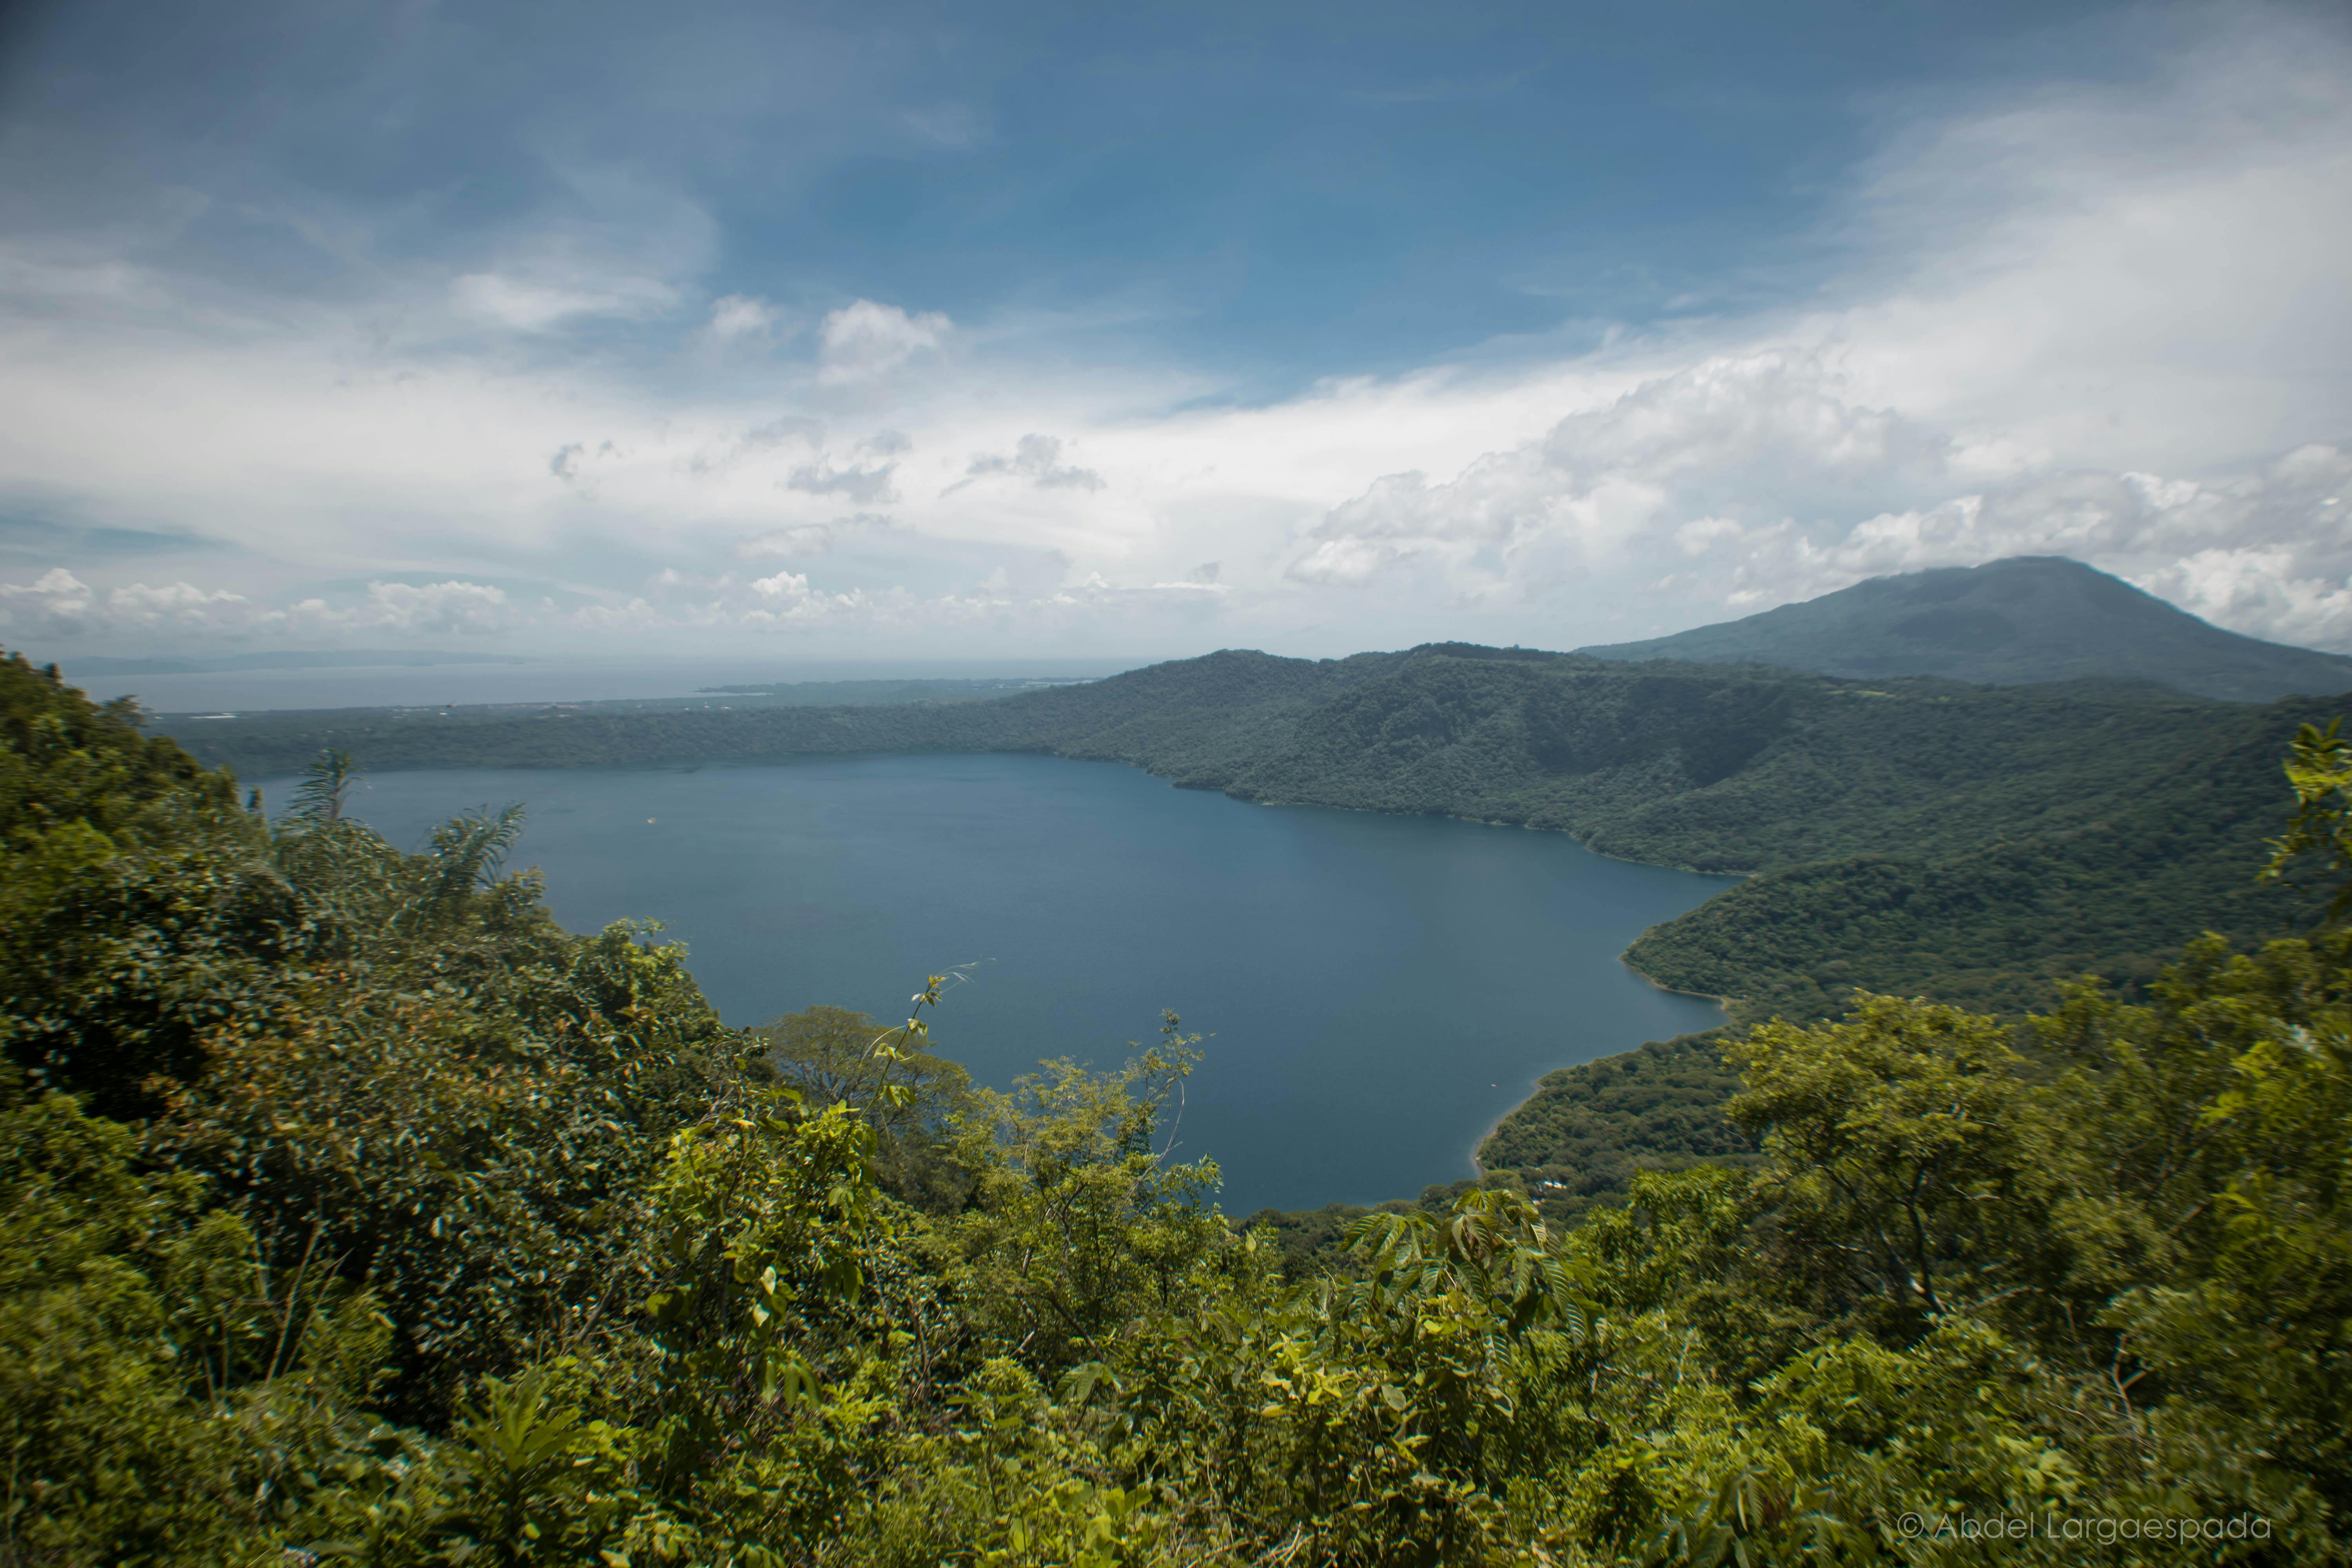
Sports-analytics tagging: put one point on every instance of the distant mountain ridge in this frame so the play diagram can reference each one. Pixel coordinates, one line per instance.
(2007, 623)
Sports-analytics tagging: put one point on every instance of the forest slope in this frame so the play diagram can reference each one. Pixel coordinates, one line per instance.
(1725, 769)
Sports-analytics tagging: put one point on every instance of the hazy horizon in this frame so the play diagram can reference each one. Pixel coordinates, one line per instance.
(549, 680)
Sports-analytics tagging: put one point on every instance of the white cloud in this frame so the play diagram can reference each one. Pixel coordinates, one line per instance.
(2111, 275)
(59, 603)
(1753, 431)
(786, 599)
(526, 306)
(787, 543)
(860, 484)
(1036, 459)
(739, 317)
(863, 340)
(1752, 481)
(471, 608)
(2105, 320)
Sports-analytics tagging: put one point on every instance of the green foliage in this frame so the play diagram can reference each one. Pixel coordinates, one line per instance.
(2319, 771)
(1579, 1142)
(394, 1064)
(168, 1391)
(1908, 1131)
(1076, 1223)
(429, 1234)
(2218, 1123)
(905, 1091)
(66, 761)
(137, 905)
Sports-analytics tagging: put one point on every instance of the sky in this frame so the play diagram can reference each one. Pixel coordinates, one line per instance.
(908, 330)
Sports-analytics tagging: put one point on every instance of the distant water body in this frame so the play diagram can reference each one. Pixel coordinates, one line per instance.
(1378, 989)
(395, 686)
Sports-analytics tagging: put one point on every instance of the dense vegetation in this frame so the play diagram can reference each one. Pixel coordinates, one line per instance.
(1576, 1145)
(2029, 618)
(354, 1211)
(1589, 1131)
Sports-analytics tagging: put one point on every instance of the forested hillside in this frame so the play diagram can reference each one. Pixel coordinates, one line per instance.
(356, 1212)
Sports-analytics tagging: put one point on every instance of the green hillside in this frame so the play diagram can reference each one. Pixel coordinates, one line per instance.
(2029, 618)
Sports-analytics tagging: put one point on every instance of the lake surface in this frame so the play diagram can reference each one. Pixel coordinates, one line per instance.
(1380, 990)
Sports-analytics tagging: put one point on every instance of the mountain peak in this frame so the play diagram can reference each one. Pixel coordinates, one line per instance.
(2008, 622)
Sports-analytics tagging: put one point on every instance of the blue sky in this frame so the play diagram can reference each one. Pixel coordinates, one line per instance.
(953, 330)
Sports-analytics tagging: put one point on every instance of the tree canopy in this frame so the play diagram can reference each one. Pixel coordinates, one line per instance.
(352, 1210)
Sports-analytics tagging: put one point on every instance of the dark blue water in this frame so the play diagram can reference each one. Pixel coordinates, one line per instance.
(1378, 989)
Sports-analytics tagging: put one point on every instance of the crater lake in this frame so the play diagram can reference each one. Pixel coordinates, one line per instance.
(1377, 991)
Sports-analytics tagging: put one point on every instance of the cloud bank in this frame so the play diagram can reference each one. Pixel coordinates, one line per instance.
(2105, 320)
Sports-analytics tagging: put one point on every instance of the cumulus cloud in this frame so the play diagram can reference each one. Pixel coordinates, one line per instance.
(2103, 319)
(858, 483)
(787, 597)
(796, 603)
(1036, 459)
(1754, 480)
(59, 603)
(471, 608)
(737, 318)
(1749, 433)
(863, 339)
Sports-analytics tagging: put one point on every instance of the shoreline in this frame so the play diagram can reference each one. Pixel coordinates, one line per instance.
(1478, 1167)
(1536, 1084)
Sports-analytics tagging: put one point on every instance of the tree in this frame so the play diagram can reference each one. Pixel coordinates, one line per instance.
(1077, 1223)
(894, 1078)
(1903, 1141)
